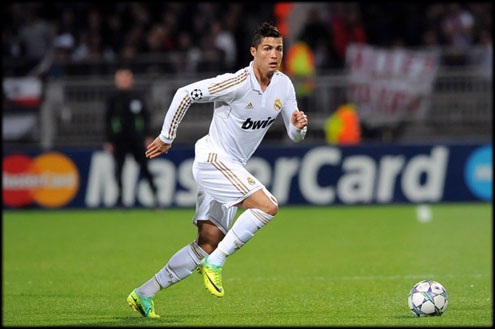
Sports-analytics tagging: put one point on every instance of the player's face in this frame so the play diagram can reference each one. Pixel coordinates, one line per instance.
(268, 55)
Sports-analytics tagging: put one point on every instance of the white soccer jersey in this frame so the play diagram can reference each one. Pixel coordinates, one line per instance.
(242, 111)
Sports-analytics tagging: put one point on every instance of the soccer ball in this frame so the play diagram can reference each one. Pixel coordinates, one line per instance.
(427, 298)
(196, 94)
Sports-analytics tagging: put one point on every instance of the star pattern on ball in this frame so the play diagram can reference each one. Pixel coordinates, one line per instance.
(196, 94)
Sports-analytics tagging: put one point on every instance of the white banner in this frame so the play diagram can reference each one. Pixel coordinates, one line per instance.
(23, 90)
(390, 85)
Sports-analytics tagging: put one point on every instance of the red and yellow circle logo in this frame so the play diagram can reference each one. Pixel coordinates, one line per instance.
(50, 179)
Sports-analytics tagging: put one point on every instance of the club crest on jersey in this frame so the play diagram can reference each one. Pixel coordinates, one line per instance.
(277, 105)
(196, 94)
(250, 181)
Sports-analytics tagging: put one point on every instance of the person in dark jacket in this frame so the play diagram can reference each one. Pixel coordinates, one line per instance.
(127, 126)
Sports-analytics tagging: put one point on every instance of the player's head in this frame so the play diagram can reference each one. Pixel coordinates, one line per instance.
(265, 30)
(124, 78)
(267, 48)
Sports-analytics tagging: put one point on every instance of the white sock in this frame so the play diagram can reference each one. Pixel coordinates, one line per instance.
(149, 289)
(180, 266)
(241, 232)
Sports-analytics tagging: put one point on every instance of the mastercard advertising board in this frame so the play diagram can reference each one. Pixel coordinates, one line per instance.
(314, 175)
(49, 180)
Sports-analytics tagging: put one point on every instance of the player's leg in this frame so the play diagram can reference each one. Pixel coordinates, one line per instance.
(231, 185)
(184, 261)
(119, 153)
(179, 267)
(212, 226)
(260, 207)
(138, 151)
(211, 219)
(209, 235)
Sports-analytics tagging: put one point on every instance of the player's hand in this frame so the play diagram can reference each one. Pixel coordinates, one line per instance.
(156, 148)
(299, 119)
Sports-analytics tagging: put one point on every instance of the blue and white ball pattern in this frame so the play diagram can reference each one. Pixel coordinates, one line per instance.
(427, 298)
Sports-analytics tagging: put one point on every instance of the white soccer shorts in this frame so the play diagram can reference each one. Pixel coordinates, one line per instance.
(221, 185)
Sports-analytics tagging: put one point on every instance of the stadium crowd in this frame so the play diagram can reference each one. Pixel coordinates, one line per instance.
(43, 37)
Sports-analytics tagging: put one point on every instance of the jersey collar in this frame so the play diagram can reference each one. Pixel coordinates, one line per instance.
(254, 82)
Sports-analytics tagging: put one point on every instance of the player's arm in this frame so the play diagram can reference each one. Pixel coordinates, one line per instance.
(222, 87)
(296, 122)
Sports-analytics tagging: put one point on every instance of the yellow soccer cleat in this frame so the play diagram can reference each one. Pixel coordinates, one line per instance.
(141, 304)
(212, 276)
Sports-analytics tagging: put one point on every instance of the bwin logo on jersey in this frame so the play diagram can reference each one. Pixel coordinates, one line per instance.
(248, 124)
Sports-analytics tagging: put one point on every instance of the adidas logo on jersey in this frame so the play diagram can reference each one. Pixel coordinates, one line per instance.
(249, 106)
(248, 124)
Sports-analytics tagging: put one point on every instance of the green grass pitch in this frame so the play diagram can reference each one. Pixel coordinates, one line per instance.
(311, 266)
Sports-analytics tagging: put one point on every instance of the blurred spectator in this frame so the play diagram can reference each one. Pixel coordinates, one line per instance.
(53, 64)
(128, 31)
(346, 27)
(413, 23)
(95, 47)
(128, 53)
(35, 36)
(200, 23)
(155, 40)
(82, 50)
(224, 41)
(187, 56)
(9, 47)
(136, 38)
(140, 14)
(317, 35)
(67, 23)
(211, 56)
(433, 25)
(430, 39)
(114, 33)
(457, 28)
(169, 24)
(482, 56)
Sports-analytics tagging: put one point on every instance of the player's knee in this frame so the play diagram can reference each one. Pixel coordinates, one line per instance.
(208, 247)
(209, 236)
(208, 243)
(270, 208)
(271, 205)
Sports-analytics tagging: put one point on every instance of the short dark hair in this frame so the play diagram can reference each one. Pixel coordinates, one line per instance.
(262, 31)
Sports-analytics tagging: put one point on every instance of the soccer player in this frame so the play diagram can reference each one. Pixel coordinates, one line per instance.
(245, 105)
